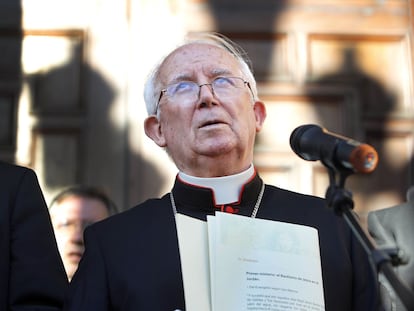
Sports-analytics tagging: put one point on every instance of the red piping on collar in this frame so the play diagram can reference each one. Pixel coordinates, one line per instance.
(220, 206)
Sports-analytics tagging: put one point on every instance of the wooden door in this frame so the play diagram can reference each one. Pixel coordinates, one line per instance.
(344, 65)
(71, 121)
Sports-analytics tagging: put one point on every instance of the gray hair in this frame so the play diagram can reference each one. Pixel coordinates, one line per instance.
(152, 87)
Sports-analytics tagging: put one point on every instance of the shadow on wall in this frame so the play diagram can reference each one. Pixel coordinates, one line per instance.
(366, 101)
(76, 140)
(244, 21)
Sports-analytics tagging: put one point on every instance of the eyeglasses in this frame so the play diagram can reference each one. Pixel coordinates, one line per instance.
(189, 91)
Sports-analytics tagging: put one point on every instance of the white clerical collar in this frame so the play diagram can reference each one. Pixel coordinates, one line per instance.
(226, 189)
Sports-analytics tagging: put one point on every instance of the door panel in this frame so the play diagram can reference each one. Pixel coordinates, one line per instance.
(345, 65)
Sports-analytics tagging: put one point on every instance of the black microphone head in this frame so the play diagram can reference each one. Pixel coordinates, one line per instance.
(312, 142)
(301, 141)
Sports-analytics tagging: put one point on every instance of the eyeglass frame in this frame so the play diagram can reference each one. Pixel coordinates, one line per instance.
(199, 88)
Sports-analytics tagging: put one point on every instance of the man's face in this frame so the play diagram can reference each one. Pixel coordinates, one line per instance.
(69, 218)
(211, 127)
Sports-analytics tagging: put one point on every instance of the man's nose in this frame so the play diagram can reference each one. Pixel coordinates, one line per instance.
(207, 95)
(205, 86)
(77, 234)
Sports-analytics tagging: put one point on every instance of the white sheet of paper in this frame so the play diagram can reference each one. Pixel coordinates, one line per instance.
(211, 225)
(193, 244)
(264, 265)
(239, 263)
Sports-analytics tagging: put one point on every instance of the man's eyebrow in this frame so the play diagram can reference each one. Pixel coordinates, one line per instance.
(218, 72)
(180, 77)
(190, 77)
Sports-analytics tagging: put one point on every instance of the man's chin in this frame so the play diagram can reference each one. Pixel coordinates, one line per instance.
(218, 141)
(70, 271)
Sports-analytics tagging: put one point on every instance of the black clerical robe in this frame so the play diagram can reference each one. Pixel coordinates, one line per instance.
(132, 261)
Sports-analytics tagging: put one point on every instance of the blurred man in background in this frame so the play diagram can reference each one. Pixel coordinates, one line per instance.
(72, 210)
(393, 229)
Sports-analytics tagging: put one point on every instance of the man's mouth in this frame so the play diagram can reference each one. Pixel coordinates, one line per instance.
(212, 123)
(75, 256)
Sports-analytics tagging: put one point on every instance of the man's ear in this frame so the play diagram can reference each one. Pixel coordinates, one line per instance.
(153, 130)
(260, 113)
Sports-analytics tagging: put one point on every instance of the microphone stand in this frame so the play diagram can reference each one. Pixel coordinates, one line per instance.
(341, 201)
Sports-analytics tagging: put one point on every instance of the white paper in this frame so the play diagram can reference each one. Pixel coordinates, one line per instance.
(211, 225)
(239, 263)
(265, 265)
(193, 243)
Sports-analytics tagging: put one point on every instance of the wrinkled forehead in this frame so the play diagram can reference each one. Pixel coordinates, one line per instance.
(189, 59)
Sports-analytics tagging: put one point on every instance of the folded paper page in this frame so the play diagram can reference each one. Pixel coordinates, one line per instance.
(259, 264)
(193, 244)
(240, 263)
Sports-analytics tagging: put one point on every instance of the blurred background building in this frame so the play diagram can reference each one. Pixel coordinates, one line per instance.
(72, 74)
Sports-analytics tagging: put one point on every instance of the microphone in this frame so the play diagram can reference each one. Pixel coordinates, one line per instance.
(312, 142)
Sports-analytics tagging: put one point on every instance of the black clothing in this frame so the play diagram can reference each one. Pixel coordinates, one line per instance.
(132, 260)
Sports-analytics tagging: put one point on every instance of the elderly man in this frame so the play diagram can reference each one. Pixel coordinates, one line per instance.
(204, 110)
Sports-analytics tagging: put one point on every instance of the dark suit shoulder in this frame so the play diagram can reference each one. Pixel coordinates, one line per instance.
(294, 199)
(145, 218)
(9, 168)
(20, 183)
(293, 207)
(13, 174)
(406, 208)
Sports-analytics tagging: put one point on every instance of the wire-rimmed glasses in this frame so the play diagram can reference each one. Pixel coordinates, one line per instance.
(189, 91)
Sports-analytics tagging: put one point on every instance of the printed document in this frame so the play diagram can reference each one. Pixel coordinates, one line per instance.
(239, 263)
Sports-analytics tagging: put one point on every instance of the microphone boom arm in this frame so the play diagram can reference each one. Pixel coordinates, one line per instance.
(342, 157)
(342, 203)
